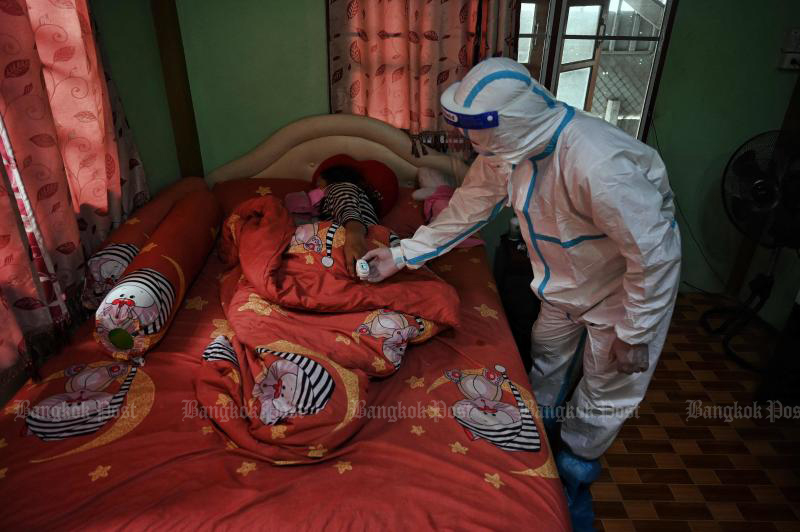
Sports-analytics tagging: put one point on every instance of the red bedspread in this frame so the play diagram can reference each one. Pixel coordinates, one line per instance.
(161, 464)
(307, 336)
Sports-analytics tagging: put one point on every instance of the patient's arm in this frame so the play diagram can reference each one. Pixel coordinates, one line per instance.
(355, 245)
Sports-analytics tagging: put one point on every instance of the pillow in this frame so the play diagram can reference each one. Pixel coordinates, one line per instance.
(377, 175)
(406, 216)
(138, 310)
(104, 268)
(231, 193)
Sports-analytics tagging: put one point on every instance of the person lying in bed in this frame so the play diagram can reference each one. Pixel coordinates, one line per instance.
(351, 202)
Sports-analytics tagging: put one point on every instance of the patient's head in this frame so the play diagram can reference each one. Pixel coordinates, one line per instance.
(348, 174)
(341, 174)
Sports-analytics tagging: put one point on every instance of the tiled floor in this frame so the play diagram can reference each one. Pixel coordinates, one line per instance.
(669, 472)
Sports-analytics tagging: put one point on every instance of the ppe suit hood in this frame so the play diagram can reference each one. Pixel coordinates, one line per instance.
(528, 115)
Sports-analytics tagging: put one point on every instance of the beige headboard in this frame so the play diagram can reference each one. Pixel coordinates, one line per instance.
(296, 150)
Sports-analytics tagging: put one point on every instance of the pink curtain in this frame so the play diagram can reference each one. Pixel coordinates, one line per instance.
(391, 59)
(63, 186)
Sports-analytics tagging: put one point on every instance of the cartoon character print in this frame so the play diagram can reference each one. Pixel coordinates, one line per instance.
(395, 330)
(292, 385)
(84, 407)
(103, 271)
(128, 304)
(306, 237)
(279, 391)
(140, 304)
(484, 415)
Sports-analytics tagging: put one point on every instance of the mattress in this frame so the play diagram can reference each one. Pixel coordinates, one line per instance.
(160, 462)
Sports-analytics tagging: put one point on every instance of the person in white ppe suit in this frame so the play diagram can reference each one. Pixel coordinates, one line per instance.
(597, 215)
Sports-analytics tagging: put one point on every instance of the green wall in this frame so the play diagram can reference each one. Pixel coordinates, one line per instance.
(126, 33)
(720, 86)
(254, 66)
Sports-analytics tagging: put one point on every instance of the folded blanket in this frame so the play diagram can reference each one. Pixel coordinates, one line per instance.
(290, 378)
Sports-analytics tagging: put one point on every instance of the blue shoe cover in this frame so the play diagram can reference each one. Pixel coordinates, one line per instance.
(577, 476)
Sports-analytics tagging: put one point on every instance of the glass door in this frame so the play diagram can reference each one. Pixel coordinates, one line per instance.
(607, 51)
(631, 49)
(597, 55)
(578, 51)
(533, 37)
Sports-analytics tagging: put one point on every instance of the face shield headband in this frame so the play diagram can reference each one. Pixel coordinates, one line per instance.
(461, 116)
(470, 121)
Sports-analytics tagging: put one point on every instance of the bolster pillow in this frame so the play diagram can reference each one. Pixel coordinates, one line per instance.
(105, 267)
(138, 310)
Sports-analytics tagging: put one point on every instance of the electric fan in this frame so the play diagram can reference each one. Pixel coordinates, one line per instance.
(761, 194)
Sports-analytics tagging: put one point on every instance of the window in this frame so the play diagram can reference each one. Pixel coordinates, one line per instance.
(597, 55)
(532, 39)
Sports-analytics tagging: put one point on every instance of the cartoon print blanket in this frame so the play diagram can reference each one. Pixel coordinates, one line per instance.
(289, 377)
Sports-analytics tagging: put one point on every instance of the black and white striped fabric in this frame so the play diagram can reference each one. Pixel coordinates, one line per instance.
(327, 260)
(99, 279)
(159, 287)
(317, 386)
(345, 202)
(394, 240)
(122, 253)
(527, 439)
(420, 325)
(221, 349)
(49, 429)
(521, 435)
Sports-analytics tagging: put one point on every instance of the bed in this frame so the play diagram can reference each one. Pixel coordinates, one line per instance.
(162, 463)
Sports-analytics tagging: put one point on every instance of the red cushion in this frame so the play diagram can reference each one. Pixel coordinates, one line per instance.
(377, 175)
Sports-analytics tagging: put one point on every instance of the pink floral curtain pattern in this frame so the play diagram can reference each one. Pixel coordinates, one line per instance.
(391, 59)
(62, 189)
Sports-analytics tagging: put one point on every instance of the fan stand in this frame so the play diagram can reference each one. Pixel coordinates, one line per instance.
(739, 315)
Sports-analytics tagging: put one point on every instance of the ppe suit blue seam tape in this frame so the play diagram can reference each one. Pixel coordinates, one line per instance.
(551, 145)
(503, 74)
(546, 238)
(547, 151)
(532, 232)
(568, 243)
(568, 377)
(547, 99)
(673, 223)
(460, 237)
(575, 241)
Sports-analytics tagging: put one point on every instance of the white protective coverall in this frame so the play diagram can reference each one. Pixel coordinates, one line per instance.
(597, 215)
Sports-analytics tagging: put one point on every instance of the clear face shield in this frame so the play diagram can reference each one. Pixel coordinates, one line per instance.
(475, 126)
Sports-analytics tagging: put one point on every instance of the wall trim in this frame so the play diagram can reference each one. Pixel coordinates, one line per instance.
(176, 83)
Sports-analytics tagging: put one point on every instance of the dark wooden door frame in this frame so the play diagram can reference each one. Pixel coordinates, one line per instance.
(176, 83)
(661, 60)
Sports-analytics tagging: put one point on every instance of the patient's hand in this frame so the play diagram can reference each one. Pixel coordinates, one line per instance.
(355, 245)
